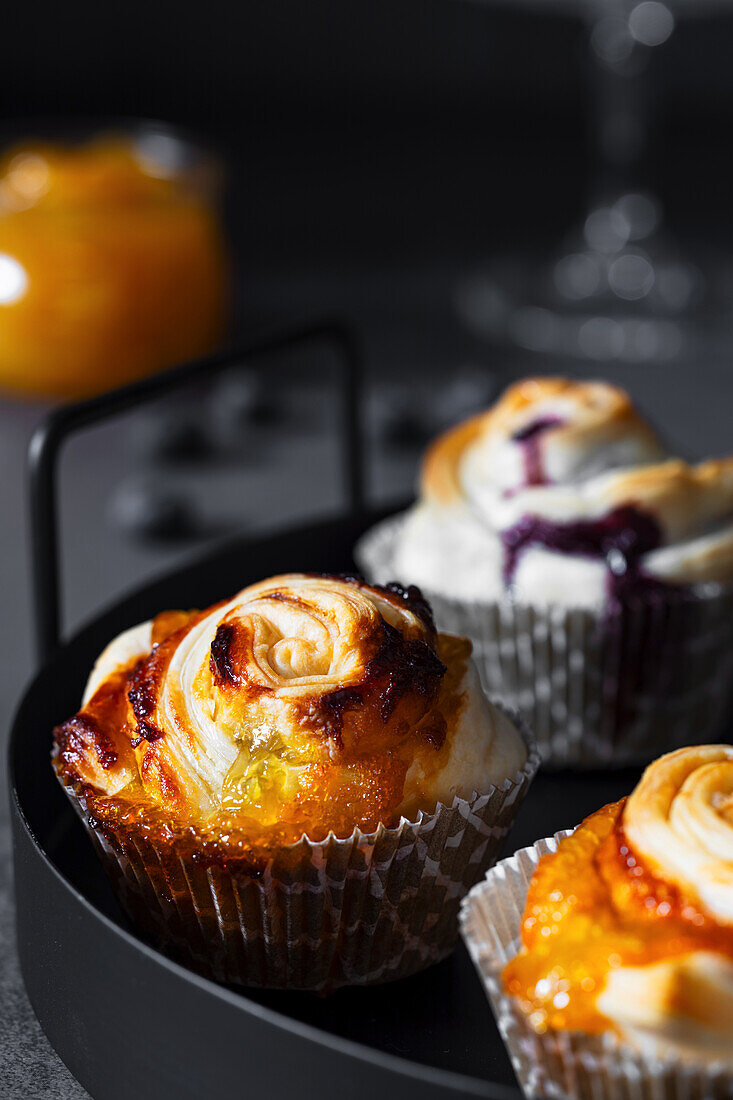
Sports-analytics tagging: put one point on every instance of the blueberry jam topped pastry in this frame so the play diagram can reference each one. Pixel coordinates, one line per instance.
(590, 569)
(312, 730)
(561, 494)
(626, 937)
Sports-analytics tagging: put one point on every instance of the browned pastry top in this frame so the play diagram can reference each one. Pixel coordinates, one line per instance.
(307, 704)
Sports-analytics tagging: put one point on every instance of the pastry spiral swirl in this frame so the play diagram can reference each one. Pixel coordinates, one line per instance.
(633, 915)
(557, 489)
(304, 704)
(680, 821)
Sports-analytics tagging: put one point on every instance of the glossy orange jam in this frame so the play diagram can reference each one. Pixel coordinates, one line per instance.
(592, 907)
(107, 270)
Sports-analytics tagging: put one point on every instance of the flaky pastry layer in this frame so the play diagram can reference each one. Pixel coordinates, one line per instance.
(305, 705)
(590, 416)
(630, 923)
(515, 496)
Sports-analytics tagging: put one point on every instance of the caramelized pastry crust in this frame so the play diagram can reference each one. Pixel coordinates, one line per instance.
(307, 704)
(630, 923)
(576, 418)
(557, 490)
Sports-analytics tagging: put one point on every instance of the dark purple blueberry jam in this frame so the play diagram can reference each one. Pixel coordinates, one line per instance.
(529, 439)
(621, 538)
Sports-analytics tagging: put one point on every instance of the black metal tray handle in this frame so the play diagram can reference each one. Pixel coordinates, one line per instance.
(58, 426)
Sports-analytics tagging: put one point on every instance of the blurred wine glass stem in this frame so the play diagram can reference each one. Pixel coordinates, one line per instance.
(619, 288)
(621, 255)
(620, 100)
(623, 211)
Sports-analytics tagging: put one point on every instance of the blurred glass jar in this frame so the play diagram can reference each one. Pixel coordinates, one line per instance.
(112, 261)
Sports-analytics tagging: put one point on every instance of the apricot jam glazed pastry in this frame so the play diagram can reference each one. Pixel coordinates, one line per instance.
(625, 933)
(591, 570)
(295, 787)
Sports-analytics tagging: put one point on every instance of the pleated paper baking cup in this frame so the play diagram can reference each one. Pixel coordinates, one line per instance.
(597, 688)
(318, 915)
(566, 1065)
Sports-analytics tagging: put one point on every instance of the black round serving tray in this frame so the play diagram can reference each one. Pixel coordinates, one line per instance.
(129, 1022)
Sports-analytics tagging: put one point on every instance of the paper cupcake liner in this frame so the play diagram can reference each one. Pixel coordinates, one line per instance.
(566, 1065)
(320, 914)
(597, 688)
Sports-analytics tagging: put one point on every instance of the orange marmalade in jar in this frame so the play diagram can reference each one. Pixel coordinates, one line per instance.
(112, 265)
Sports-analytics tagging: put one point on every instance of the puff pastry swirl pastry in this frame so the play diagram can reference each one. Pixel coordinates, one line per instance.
(561, 493)
(306, 704)
(630, 923)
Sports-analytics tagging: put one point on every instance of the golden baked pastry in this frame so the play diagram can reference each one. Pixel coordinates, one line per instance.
(577, 420)
(557, 491)
(306, 704)
(629, 925)
(295, 787)
(592, 571)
